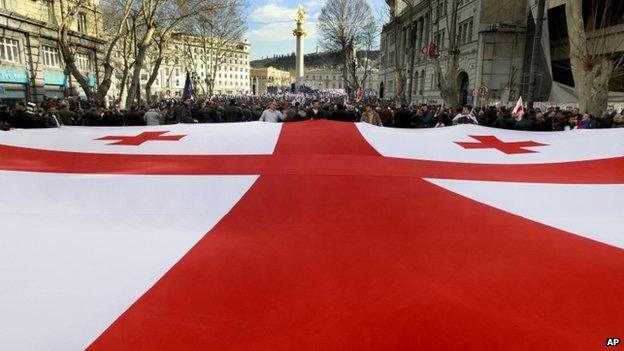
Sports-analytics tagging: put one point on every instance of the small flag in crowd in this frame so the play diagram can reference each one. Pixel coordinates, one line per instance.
(188, 87)
(518, 111)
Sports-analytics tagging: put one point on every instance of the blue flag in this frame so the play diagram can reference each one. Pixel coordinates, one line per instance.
(189, 92)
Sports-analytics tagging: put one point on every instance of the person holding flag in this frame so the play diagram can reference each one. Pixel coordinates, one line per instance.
(518, 111)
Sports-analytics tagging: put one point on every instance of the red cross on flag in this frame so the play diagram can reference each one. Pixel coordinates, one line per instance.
(518, 110)
(311, 235)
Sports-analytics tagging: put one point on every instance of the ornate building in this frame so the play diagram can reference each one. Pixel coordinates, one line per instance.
(31, 66)
(491, 37)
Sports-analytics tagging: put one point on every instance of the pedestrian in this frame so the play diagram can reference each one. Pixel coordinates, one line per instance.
(152, 116)
(371, 116)
(182, 113)
(271, 114)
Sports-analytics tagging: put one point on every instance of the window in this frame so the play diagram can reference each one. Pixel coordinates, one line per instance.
(49, 9)
(441, 8)
(465, 32)
(83, 62)
(51, 57)
(82, 22)
(9, 50)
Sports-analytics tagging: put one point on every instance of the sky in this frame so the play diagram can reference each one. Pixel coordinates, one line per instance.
(271, 22)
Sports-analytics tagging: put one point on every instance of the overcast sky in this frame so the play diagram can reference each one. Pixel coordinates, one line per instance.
(271, 23)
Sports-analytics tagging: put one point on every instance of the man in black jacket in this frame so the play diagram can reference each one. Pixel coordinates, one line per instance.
(22, 118)
(315, 112)
(341, 114)
(182, 113)
(403, 118)
(232, 113)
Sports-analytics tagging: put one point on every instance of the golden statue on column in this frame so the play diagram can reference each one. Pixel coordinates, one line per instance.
(300, 33)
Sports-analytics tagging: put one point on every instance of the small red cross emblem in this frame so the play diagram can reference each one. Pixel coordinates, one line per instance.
(141, 138)
(492, 142)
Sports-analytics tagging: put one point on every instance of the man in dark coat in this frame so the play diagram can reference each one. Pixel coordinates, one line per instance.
(341, 114)
(22, 118)
(403, 118)
(247, 114)
(315, 112)
(232, 113)
(182, 113)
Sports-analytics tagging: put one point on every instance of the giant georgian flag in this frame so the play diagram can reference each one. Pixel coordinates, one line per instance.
(310, 236)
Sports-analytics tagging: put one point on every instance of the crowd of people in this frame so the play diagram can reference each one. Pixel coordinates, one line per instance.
(56, 113)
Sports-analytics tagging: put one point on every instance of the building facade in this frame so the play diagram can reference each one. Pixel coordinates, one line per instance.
(491, 36)
(331, 78)
(226, 70)
(267, 79)
(31, 65)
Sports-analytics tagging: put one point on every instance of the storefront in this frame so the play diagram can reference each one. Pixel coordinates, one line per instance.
(55, 84)
(13, 84)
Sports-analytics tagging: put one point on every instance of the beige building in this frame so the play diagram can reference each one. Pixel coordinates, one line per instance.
(331, 78)
(268, 78)
(31, 65)
(190, 53)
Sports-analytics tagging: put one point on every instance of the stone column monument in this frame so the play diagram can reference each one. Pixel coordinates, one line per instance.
(300, 33)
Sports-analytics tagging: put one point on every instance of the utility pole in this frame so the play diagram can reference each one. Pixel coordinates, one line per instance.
(537, 41)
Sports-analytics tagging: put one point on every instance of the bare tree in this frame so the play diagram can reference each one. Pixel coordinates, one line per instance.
(347, 26)
(218, 38)
(122, 59)
(400, 76)
(116, 13)
(594, 57)
(446, 81)
(157, 20)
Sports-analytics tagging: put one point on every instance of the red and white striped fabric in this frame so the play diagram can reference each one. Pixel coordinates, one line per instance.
(311, 235)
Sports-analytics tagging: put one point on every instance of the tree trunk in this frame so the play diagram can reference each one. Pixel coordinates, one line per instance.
(69, 58)
(135, 83)
(152, 78)
(106, 82)
(411, 59)
(591, 73)
(123, 84)
(447, 82)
